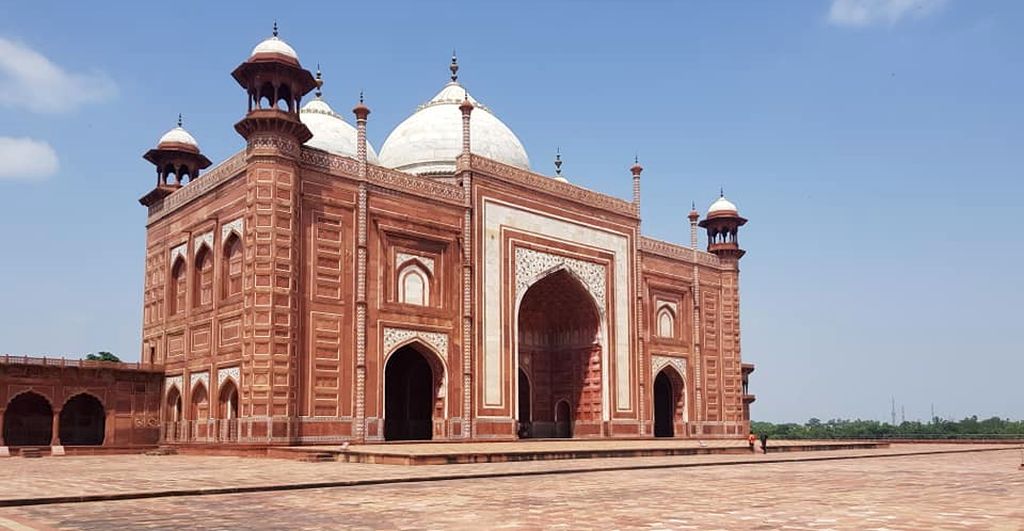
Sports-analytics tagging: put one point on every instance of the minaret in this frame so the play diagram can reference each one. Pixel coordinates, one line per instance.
(723, 223)
(636, 170)
(176, 156)
(273, 77)
(694, 216)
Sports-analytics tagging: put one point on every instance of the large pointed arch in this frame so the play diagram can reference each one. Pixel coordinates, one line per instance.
(414, 390)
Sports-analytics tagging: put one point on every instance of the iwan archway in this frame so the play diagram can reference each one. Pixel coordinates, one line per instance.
(559, 359)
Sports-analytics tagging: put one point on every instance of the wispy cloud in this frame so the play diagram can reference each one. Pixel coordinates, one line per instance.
(862, 13)
(25, 159)
(29, 80)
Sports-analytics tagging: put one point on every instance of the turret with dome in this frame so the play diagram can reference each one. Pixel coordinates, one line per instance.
(331, 132)
(176, 156)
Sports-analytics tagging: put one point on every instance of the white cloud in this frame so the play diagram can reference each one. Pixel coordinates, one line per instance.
(24, 159)
(861, 13)
(30, 80)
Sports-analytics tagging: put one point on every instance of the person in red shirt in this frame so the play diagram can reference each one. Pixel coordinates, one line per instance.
(751, 440)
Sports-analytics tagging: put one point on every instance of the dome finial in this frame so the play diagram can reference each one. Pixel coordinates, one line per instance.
(179, 119)
(275, 28)
(360, 96)
(454, 67)
(558, 162)
(319, 82)
(721, 191)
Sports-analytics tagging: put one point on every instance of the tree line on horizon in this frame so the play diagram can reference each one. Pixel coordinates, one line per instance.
(938, 428)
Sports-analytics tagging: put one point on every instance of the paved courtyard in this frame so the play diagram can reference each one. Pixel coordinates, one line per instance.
(977, 490)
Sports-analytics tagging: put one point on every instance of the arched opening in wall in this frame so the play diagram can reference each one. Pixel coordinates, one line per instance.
(413, 286)
(173, 414)
(199, 411)
(524, 428)
(560, 352)
(203, 284)
(227, 411)
(668, 402)
(412, 386)
(28, 421)
(176, 297)
(83, 421)
(232, 281)
(666, 323)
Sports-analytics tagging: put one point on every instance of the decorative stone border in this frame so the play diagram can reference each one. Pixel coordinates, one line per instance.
(228, 372)
(401, 258)
(530, 264)
(237, 226)
(203, 377)
(660, 362)
(396, 336)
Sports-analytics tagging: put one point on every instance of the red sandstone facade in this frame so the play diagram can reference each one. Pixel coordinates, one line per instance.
(295, 296)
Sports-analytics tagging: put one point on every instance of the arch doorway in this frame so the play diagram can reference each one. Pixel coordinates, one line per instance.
(412, 381)
(524, 405)
(173, 414)
(28, 421)
(560, 356)
(668, 402)
(83, 421)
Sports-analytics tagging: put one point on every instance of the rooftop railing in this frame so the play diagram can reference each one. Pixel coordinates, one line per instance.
(7, 359)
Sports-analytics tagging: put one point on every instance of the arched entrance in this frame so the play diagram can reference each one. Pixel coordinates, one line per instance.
(412, 381)
(28, 421)
(524, 419)
(227, 411)
(560, 353)
(173, 415)
(668, 402)
(200, 412)
(82, 421)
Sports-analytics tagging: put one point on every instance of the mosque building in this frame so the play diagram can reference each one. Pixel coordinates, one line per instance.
(310, 289)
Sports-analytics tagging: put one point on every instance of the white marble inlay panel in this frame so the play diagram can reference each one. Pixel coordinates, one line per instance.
(401, 258)
(200, 377)
(203, 239)
(228, 372)
(178, 251)
(498, 215)
(173, 381)
(396, 336)
(235, 226)
(531, 264)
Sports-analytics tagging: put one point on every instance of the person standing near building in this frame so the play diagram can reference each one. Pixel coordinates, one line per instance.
(764, 442)
(751, 440)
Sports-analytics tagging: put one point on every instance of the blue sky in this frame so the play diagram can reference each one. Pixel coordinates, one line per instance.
(875, 145)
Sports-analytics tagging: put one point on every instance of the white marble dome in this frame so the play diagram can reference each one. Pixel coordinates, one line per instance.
(429, 141)
(722, 206)
(275, 45)
(178, 135)
(331, 132)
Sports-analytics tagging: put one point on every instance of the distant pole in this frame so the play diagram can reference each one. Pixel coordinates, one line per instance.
(894, 411)
(903, 414)
(932, 420)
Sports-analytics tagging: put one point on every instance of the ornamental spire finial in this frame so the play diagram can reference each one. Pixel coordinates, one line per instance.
(454, 67)
(721, 191)
(319, 82)
(179, 119)
(275, 28)
(558, 162)
(360, 96)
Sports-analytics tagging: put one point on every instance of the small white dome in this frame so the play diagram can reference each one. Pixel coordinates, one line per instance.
(331, 132)
(722, 205)
(561, 179)
(275, 45)
(178, 135)
(429, 141)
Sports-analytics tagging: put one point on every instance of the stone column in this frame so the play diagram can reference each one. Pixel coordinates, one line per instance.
(55, 438)
(467, 274)
(362, 112)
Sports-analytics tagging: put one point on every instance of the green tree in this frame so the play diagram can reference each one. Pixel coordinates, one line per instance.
(103, 356)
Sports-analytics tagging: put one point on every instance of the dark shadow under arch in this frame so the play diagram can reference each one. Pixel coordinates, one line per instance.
(28, 421)
(83, 421)
(410, 385)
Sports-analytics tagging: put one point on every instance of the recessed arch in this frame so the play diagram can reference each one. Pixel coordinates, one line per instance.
(232, 265)
(202, 284)
(177, 286)
(28, 420)
(83, 420)
(559, 347)
(669, 401)
(414, 391)
(414, 283)
(666, 322)
(199, 402)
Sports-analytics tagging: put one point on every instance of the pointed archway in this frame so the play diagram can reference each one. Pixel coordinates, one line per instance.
(668, 402)
(559, 351)
(413, 379)
(173, 415)
(83, 421)
(28, 421)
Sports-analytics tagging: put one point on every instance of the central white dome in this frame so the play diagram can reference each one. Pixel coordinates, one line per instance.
(429, 141)
(331, 132)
